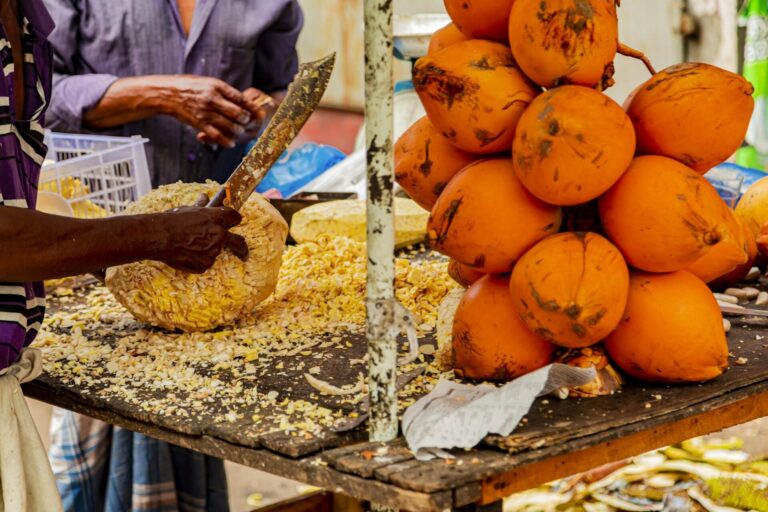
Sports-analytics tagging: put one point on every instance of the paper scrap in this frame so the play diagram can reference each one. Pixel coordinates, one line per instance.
(457, 415)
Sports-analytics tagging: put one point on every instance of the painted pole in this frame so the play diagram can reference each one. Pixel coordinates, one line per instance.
(381, 325)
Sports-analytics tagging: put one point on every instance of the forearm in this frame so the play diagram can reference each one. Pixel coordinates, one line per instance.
(36, 246)
(128, 100)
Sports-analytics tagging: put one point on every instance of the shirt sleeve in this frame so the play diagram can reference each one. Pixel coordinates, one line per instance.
(277, 61)
(73, 93)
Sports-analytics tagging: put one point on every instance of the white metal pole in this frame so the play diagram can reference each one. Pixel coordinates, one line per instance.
(381, 326)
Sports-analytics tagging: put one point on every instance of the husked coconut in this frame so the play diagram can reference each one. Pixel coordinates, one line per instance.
(231, 289)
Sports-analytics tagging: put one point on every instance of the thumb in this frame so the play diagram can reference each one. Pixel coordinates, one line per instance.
(202, 200)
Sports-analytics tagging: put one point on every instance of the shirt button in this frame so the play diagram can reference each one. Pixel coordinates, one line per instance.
(191, 156)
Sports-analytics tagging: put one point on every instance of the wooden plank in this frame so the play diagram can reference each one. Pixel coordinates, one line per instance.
(707, 421)
(553, 421)
(367, 460)
(477, 465)
(312, 471)
(287, 443)
(283, 375)
(468, 494)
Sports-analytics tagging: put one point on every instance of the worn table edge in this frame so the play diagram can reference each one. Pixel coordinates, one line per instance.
(501, 478)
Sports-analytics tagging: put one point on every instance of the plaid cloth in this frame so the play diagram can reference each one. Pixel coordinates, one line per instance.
(99, 467)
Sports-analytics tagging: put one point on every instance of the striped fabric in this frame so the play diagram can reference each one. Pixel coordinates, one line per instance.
(22, 151)
(101, 468)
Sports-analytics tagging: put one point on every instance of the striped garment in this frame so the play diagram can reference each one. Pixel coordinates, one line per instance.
(22, 305)
(101, 468)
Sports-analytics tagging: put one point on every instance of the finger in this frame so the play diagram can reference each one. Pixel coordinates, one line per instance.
(252, 93)
(231, 94)
(226, 126)
(237, 245)
(202, 200)
(217, 137)
(229, 218)
(231, 110)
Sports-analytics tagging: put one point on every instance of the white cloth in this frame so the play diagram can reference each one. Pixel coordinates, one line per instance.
(26, 479)
(457, 415)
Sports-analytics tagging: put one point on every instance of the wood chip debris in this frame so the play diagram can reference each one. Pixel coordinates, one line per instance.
(91, 342)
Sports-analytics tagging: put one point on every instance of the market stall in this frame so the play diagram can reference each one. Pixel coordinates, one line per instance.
(290, 387)
(560, 438)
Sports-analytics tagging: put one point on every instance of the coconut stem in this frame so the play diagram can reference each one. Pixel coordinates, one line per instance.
(636, 54)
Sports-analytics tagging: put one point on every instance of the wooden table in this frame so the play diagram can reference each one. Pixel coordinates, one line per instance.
(560, 438)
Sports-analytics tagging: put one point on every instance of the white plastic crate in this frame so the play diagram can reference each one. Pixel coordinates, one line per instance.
(97, 175)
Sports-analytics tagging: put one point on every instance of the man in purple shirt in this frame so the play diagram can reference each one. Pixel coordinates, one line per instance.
(187, 74)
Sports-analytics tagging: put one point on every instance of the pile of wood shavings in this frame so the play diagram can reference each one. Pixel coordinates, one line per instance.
(95, 345)
(322, 286)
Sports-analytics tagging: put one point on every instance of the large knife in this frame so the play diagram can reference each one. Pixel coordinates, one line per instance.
(302, 98)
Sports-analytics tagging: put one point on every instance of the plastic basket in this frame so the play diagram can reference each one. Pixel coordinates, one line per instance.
(97, 175)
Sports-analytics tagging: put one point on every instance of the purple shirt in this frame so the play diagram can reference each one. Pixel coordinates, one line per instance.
(22, 305)
(246, 43)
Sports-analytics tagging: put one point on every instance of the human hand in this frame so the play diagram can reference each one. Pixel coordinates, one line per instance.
(197, 234)
(219, 111)
(259, 104)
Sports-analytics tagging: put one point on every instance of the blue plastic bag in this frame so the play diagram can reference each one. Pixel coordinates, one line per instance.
(298, 167)
(724, 176)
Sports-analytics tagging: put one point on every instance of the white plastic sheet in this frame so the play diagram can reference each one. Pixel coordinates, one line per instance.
(457, 415)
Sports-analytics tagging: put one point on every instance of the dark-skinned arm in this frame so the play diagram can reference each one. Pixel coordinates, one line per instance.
(219, 111)
(37, 246)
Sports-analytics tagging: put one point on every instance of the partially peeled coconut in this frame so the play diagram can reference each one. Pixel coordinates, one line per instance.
(607, 381)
